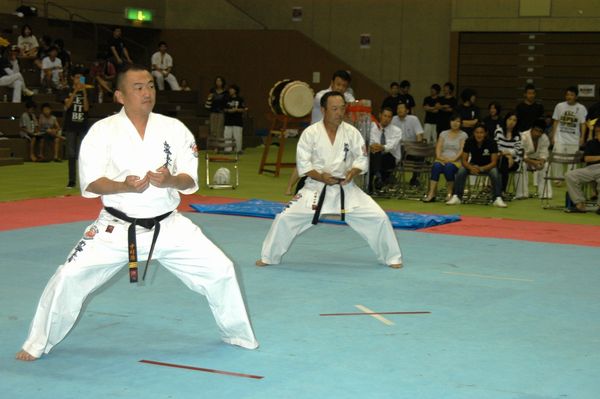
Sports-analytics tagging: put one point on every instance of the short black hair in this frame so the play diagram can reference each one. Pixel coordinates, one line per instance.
(436, 87)
(44, 105)
(53, 48)
(30, 104)
(455, 116)
(529, 86)
(573, 89)
(387, 109)
(496, 105)
(404, 84)
(467, 94)
(330, 94)
(480, 125)
(235, 87)
(344, 75)
(60, 43)
(123, 72)
(450, 86)
(162, 43)
(23, 29)
(539, 123)
(394, 84)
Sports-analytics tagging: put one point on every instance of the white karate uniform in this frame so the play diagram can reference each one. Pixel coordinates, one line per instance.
(365, 216)
(163, 62)
(530, 151)
(113, 148)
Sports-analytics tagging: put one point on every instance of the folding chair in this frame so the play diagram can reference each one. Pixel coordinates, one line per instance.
(560, 159)
(477, 190)
(417, 159)
(221, 151)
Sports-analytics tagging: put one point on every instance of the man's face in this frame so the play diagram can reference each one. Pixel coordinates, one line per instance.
(404, 90)
(536, 132)
(52, 54)
(571, 97)
(446, 91)
(394, 90)
(162, 48)
(76, 78)
(47, 111)
(402, 111)
(479, 134)
(530, 95)
(333, 113)
(137, 93)
(385, 118)
(340, 85)
(117, 32)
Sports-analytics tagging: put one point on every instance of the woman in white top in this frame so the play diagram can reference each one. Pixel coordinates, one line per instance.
(448, 151)
(27, 42)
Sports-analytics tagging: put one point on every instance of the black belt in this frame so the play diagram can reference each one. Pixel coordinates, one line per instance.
(148, 223)
(322, 200)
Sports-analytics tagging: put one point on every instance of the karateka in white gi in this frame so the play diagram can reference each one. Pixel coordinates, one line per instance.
(331, 153)
(138, 162)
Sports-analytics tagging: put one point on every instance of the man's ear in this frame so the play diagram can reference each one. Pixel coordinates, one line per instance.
(119, 97)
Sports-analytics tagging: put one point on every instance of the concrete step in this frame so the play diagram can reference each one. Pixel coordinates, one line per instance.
(10, 161)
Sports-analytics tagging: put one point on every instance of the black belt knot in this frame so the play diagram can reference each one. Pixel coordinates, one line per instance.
(147, 223)
(322, 200)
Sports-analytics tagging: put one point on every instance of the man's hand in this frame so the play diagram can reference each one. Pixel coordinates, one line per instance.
(375, 147)
(474, 169)
(134, 184)
(328, 179)
(161, 178)
(350, 175)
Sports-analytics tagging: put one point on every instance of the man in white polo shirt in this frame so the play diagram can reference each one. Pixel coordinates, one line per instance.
(412, 131)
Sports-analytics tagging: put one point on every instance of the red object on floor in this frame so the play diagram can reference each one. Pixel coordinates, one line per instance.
(40, 212)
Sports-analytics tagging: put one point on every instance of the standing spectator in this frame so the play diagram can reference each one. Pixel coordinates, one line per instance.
(118, 50)
(340, 81)
(405, 96)
(52, 71)
(529, 110)
(75, 122)
(508, 139)
(162, 63)
(568, 128)
(393, 99)
(479, 157)
(447, 107)
(103, 73)
(216, 102)
(12, 79)
(535, 158)
(234, 117)
(468, 111)
(29, 127)
(589, 174)
(64, 55)
(27, 42)
(384, 149)
(448, 155)
(49, 131)
(431, 105)
(492, 120)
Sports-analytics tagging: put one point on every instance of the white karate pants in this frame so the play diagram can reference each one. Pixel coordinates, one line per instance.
(171, 79)
(181, 248)
(368, 220)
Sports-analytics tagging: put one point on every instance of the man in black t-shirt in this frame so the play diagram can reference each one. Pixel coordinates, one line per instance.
(234, 117)
(118, 51)
(405, 97)
(590, 174)
(393, 99)
(431, 105)
(529, 110)
(447, 107)
(76, 107)
(480, 157)
(468, 111)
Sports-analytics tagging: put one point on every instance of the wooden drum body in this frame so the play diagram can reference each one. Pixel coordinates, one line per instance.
(291, 98)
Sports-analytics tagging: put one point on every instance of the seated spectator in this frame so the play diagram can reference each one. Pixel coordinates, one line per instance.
(185, 85)
(588, 174)
(118, 50)
(12, 79)
(234, 117)
(162, 63)
(412, 131)
(64, 55)
(52, 71)
(384, 147)
(103, 74)
(469, 112)
(432, 105)
(49, 131)
(43, 51)
(535, 145)
(508, 140)
(480, 157)
(492, 121)
(27, 42)
(29, 127)
(448, 154)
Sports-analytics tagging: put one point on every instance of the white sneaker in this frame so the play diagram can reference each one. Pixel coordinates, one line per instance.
(500, 203)
(27, 92)
(454, 200)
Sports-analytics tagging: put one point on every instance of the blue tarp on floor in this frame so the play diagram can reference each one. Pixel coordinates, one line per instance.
(268, 209)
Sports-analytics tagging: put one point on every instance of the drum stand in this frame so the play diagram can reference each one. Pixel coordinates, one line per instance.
(279, 126)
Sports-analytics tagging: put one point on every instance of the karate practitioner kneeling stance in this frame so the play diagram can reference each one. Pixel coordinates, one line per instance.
(138, 162)
(331, 152)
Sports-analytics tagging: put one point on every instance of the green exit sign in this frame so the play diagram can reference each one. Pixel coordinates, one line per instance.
(138, 14)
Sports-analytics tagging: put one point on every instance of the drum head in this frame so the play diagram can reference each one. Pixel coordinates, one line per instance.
(275, 94)
(296, 99)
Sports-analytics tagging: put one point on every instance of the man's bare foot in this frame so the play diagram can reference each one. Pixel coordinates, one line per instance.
(25, 356)
(396, 265)
(288, 192)
(260, 263)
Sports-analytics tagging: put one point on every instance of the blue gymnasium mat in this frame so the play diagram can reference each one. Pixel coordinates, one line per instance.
(268, 209)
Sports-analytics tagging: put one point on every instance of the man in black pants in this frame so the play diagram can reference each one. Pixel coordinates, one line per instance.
(75, 123)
